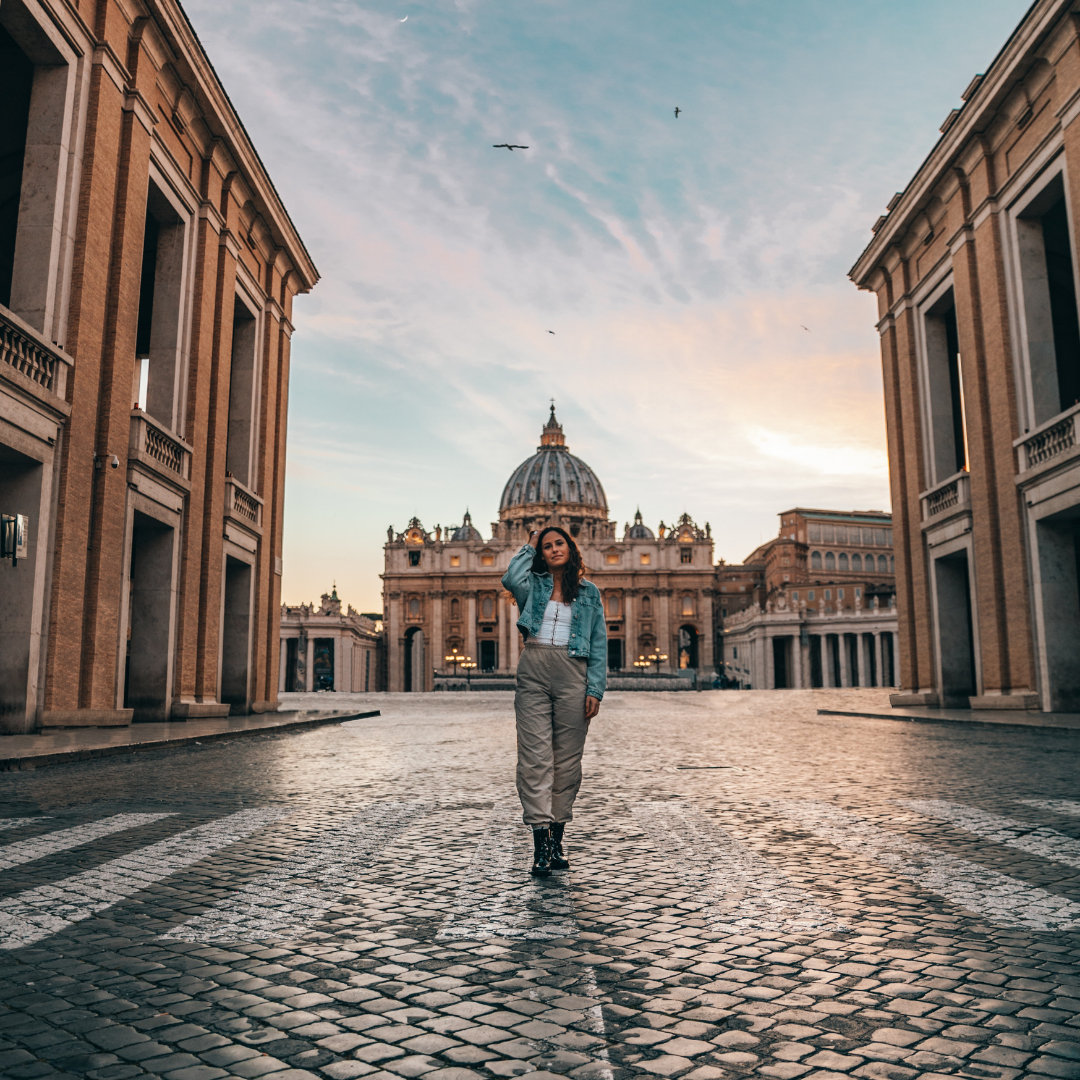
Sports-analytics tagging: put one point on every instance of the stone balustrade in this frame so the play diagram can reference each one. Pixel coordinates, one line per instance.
(243, 505)
(157, 448)
(23, 350)
(1048, 441)
(949, 496)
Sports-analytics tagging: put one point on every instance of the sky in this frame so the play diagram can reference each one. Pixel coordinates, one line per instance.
(709, 353)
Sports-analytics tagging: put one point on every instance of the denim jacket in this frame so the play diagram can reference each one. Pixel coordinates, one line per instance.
(588, 631)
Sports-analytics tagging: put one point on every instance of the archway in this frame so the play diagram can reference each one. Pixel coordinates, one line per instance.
(413, 681)
(688, 647)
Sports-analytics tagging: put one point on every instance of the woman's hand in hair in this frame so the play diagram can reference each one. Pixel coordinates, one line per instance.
(592, 707)
(532, 537)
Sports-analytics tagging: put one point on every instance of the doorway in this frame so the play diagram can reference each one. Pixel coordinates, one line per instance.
(1058, 540)
(956, 643)
(489, 655)
(614, 654)
(236, 637)
(414, 660)
(688, 647)
(150, 584)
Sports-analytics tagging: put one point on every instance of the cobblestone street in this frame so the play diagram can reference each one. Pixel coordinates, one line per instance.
(755, 890)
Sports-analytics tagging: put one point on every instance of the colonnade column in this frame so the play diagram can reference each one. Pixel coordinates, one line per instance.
(796, 661)
(309, 673)
(878, 657)
(864, 660)
(770, 663)
(283, 651)
(845, 667)
(470, 629)
(826, 661)
(504, 636)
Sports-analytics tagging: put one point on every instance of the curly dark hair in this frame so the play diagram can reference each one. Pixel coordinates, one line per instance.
(573, 571)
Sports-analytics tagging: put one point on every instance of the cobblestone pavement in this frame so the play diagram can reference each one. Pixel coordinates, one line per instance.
(756, 891)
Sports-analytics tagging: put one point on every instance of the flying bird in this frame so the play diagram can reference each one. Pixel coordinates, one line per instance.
(677, 109)
(509, 146)
(551, 331)
(806, 328)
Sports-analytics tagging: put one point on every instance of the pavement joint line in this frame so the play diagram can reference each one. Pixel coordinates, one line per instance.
(23, 762)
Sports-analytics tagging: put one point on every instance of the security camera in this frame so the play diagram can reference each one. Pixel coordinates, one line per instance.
(115, 462)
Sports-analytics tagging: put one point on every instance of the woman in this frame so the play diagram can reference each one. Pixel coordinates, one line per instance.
(560, 681)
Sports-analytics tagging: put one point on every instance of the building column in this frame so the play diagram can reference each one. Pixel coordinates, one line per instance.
(309, 674)
(770, 662)
(663, 628)
(845, 667)
(864, 664)
(470, 630)
(339, 663)
(282, 653)
(796, 661)
(878, 658)
(629, 635)
(515, 639)
(826, 667)
(438, 634)
(501, 608)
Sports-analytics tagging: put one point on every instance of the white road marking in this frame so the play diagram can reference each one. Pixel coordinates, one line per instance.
(277, 905)
(738, 889)
(1034, 839)
(15, 822)
(1057, 806)
(498, 898)
(37, 847)
(594, 1021)
(37, 913)
(1003, 900)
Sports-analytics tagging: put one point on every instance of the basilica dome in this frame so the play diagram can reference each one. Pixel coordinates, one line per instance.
(553, 475)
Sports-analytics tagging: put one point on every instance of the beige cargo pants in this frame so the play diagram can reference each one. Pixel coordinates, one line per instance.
(551, 730)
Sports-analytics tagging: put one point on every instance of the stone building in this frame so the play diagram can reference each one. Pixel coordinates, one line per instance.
(974, 265)
(798, 641)
(326, 649)
(147, 274)
(442, 588)
(814, 606)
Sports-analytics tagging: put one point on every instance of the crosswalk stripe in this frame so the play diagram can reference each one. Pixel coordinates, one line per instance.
(739, 889)
(15, 822)
(38, 847)
(1003, 900)
(37, 913)
(1057, 806)
(1034, 839)
(277, 905)
(497, 898)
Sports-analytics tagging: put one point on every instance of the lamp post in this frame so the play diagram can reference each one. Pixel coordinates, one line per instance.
(459, 660)
(656, 658)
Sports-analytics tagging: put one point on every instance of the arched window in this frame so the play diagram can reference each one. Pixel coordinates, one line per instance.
(815, 560)
(882, 564)
(613, 606)
(646, 607)
(487, 608)
(414, 608)
(830, 561)
(687, 604)
(843, 561)
(856, 562)
(455, 609)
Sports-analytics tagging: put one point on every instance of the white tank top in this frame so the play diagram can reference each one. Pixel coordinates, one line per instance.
(555, 629)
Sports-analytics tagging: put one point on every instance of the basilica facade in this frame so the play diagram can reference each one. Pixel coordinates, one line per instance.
(442, 588)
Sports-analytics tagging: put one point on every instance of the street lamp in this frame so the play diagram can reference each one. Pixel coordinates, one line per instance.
(458, 660)
(656, 658)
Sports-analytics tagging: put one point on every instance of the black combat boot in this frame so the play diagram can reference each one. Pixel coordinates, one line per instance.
(541, 866)
(559, 860)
